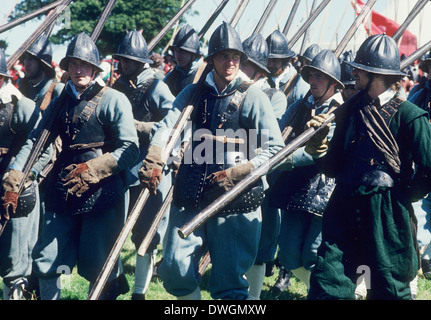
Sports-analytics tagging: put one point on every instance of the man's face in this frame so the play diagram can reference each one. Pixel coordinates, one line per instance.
(226, 66)
(129, 67)
(361, 79)
(251, 70)
(31, 67)
(81, 73)
(1, 81)
(275, 66)
(319, 83)
(183, 58)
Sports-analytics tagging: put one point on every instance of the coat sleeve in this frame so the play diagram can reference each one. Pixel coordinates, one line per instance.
(116, 114)
(28, 119)
(258, 117)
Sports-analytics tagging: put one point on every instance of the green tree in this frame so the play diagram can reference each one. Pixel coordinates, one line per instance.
(150, 16)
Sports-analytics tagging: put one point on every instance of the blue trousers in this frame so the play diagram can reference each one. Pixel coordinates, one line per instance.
(84, 240)
(300, 236)
(232, 241)
(16, 245)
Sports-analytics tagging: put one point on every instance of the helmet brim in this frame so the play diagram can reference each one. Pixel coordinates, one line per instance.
(64, 63)
(244, 57)
(375, 70)
(141, 60)
(259, 65)
(306, 74)
(288, 55)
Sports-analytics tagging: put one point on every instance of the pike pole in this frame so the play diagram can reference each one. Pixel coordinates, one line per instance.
(291, 16)
(415, 11)
(169, 25)
(239, 10)
(29, 16)
(265, 16)
(52, 16)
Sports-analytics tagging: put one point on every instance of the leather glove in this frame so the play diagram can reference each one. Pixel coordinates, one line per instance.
(176, 162)
(144, 130)
(150, 173)
(317, 145)
(84, 175)
(220, 182)
(10, 184)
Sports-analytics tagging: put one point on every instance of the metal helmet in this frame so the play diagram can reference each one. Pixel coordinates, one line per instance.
(257, 51)
(187, 39)
(42, 50)
(347, 77)
(3, 65)
(82, 47)
(133, 46)
(310, 52)
(325, 61)
(378, 54)
(225, 38)
(279, 46)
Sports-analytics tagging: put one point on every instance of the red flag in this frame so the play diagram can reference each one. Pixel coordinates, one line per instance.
(381, 24)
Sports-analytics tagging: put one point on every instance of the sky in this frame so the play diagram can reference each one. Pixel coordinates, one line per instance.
(327, 30)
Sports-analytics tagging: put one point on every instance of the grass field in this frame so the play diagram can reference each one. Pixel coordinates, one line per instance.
(76, 288)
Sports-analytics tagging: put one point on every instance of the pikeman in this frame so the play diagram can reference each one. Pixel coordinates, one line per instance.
(188, 58)
(85, 208)
(151, 100)
(19, 219)
(368, 225)
(255, 68)
(281, 68)
(284, 275)
(301, 191)
(40, 85)
(39, 73)
(228, 109)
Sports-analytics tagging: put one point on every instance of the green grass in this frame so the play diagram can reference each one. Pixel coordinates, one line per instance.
(76, 288)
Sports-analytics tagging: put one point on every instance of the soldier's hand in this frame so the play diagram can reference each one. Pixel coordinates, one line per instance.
(75, 180)
(10, 185)
(318, 143)
(82, 176)
(150, 173)
(222, 181)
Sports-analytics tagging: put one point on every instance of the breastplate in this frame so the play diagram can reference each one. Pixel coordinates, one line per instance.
(75, 136)
(213, 114)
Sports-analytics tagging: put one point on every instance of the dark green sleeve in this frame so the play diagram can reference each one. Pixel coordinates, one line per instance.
(412, 130)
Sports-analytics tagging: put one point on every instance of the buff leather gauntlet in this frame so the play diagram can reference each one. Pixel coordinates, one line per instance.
(150, 173)
(318, 144)
(84, 175)
(222, 181)
(10, 184)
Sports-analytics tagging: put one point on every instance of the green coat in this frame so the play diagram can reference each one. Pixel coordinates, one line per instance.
(370, 228)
